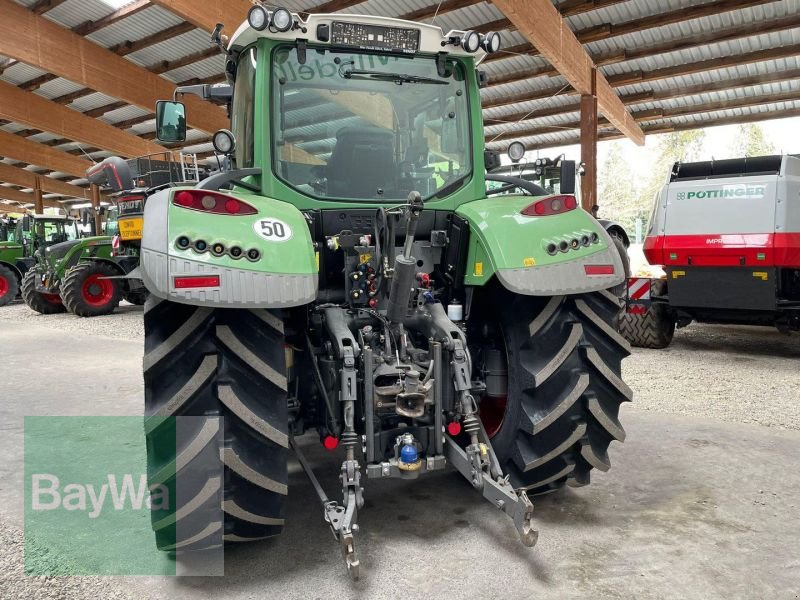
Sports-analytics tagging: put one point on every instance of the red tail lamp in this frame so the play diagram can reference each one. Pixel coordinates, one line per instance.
(212, 202)
(199, 281)
(599, 269)
(552, 205)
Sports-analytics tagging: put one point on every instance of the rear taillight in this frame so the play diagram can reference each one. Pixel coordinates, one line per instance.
(599, 269)
(196, 281)
(212, 202)
(552, 205)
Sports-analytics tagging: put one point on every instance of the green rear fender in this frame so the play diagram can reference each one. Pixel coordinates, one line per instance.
(514, 248)
(263, 260)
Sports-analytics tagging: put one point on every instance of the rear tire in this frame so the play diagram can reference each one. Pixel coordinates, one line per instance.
(87, 293)
(46, 304)
(653, 329)
(564, 387)
(218, 363)
(9, 285)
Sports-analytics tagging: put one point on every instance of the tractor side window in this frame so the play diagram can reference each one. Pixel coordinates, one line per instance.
(243, 110)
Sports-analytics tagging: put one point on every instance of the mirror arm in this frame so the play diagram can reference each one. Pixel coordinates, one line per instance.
(204, 91)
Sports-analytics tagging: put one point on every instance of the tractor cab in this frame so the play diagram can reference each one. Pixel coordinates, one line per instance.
(42, 231)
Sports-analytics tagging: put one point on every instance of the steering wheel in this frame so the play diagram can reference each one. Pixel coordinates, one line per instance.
(514, 182)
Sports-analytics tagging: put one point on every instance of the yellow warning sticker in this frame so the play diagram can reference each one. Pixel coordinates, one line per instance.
(478, 269)
(529, 262)
(317, 257)
(676, 274)
(762, 275)
(365, 258)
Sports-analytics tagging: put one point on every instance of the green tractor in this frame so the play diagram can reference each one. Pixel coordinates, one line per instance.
(31, 235)
(87, 274)
(347, 276)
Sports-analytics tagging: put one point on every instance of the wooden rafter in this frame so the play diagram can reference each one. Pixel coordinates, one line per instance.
(655, 114)
(33, 153)
(7, 193)
(27, 179)
(673, 127)
(670, 72)
(542, 24)
(44, 44)
(33, 110)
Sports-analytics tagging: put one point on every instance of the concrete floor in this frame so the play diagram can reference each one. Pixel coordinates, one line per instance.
(693, 507)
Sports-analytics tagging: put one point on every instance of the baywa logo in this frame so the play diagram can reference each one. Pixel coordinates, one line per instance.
(728, 191)
(48, 493)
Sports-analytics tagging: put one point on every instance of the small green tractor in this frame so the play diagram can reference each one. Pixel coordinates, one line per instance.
(347, 276)
(31, 235)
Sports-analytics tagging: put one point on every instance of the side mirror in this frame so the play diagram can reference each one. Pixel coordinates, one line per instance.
(170, 121)
(26, 223)
(567, 177)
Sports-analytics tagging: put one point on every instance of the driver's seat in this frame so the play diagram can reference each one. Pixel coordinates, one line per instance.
(362, 162)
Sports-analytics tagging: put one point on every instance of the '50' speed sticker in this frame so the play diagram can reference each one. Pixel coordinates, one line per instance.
(272, 230)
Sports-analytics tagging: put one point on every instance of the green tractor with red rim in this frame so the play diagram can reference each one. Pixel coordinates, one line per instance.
(349, 277)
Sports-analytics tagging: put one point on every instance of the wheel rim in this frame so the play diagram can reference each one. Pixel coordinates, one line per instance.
(493, 413)
(3, 286)
(97, 291)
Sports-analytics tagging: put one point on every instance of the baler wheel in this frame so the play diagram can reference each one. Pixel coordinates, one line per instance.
(9, 285)
(653, 329)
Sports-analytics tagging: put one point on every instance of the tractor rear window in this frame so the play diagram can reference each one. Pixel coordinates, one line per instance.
(371, 127)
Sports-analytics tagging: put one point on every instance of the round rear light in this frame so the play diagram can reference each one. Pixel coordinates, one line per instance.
(184, 242)
(539, 208)
(551, 249)
(200, 246)
(595, 238)
(555, 205)
(208, 202)
(232, 206)
(184, 199)
(236, 252)
(563, 246)
(585, 240)
(253, 254)
(570, 202)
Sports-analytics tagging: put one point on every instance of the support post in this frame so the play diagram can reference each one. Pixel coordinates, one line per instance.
(589, 147)
(38, 198)
(98, 221)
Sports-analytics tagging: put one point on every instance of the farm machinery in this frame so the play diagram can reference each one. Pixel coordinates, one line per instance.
(347, 276)
(31, 236)
(724, 245)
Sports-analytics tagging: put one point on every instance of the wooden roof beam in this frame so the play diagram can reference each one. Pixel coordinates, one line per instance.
(33, 153)
(27, 179)
(542, 24)
(7, 193)
(670, 72)
(33, 110)
(42, 43)
(671, 128)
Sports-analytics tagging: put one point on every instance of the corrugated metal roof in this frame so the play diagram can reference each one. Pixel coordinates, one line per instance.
(155, 19)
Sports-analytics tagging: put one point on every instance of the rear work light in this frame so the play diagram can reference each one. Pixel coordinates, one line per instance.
(599, 269)
(552, 205)
(196, 281)
(212, 202)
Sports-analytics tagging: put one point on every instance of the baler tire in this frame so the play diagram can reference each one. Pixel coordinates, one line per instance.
(45, 304)
(78, 300)
(564, 394)
(137, 298)
(9, 285)
(653, 329)
(226, 368)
